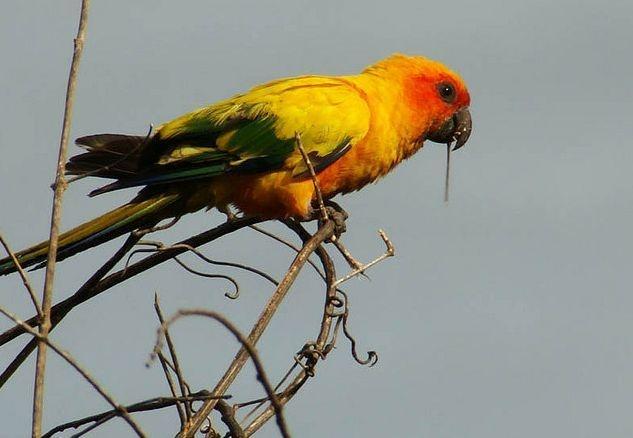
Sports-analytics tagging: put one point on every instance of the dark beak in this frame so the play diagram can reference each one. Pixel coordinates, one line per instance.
(457, 129)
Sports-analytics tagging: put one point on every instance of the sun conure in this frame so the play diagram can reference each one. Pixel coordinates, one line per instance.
(242, 151)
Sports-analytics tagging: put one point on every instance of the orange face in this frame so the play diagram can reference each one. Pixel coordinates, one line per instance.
(440, 97)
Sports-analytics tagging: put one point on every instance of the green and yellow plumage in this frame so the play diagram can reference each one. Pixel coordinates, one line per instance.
(242, 150)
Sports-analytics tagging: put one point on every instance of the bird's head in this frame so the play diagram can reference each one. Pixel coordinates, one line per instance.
(435, 97)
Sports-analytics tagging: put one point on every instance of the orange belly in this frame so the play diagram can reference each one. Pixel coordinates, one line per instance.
(273, 195)
(280, 195)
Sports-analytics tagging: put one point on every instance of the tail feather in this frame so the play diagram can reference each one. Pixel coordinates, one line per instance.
(107, 156)
(106, 227)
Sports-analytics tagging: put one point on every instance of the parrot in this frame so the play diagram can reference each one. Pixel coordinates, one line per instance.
(242, 152)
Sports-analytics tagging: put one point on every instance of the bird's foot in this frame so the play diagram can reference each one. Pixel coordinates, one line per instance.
(339, 222)
(331, 205)
(331, 211)
(226, 210)
(338, 215)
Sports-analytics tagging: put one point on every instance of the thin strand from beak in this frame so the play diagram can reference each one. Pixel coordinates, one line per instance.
(448, 169)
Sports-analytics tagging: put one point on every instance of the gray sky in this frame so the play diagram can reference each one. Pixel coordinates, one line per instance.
(505, 314)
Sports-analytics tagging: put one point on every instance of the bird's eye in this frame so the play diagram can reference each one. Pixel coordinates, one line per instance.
(446, 91)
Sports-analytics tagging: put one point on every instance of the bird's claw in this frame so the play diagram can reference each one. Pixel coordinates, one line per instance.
(338, 215)
(339, 222)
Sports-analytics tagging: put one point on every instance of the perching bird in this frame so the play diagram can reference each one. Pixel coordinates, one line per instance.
(242, 151)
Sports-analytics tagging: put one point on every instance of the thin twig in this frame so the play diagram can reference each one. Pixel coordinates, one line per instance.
(157, 227)
(174, 357)
(230, 264)
(288, 244)
(347, 255)
(372, 356)
(233, 296)
(228, 417)
(389, 252)
(82, 294)
(265, 399)
(60, 187)
(96, 284)
(260, 401)
(325, 231)
(143, 406)
(246, 345)
(317, 188)
(330, 277)
(319, 348)
(166, 366)
(72, 362)
(23, 276)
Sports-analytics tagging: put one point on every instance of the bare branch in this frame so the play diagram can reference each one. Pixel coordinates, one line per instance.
(246, 346)
(174, 359)
(325, 231)
(160, 246)
(232, 296)
(288, 244)
(312, 351)
(166, 366)
(72, 362)
(231, 264)
(144, 406)
(372, 356)
(389, 252)
(56, 315)
(319, 349)
(228, 417)
(60, 187)
(157, 227)
(23, 276)
(97, 284)
(317, 188)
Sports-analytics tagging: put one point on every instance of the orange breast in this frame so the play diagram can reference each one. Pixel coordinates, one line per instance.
(272, 195)
(280, 195)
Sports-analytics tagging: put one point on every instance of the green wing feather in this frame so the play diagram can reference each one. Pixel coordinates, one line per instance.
(254, 132)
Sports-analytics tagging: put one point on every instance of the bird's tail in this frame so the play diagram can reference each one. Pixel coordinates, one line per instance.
(121, 220)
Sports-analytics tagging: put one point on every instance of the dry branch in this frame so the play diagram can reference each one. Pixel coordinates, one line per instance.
(319, 348)
(84, 373)
(166, 366)
(246, 345)
(144, 406)
(184, 416)
(97, 284)
(228, 417)
(56, 313)
(315, 182)
(60, 187)
(308, 356)
(324, 232)
(23, 276)
(389, 252)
